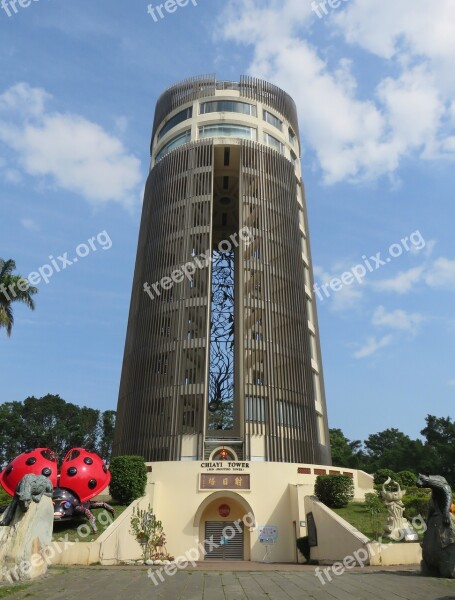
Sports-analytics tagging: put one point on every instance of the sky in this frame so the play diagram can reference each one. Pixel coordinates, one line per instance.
(375, 89)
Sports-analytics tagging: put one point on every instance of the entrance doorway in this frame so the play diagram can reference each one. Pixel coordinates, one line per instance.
(228, 545)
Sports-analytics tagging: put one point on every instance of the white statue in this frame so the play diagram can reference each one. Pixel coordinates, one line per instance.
(397, 528)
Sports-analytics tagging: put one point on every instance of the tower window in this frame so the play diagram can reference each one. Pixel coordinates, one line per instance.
(228, 130)
(274, 143)
(291, 136)
(227, 158)
(228, 106)
(272, 120)
(176, 120)
(255, 409)
(179, 140)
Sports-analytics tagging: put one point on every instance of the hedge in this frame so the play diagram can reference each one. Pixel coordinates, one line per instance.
(129, 478)
(334, 490)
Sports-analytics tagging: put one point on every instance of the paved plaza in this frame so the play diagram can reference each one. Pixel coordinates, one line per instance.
(233, 581)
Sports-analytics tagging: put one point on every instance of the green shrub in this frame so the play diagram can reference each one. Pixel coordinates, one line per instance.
(129, 478)
(334, 490)
(406, 479)
(382, 475)
(416, 502)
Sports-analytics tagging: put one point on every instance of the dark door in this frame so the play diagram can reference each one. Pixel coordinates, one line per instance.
(231, 549)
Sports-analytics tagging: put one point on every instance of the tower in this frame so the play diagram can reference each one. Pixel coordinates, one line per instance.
(222, 356)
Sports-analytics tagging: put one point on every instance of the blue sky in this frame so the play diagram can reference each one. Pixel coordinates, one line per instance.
(374, 83)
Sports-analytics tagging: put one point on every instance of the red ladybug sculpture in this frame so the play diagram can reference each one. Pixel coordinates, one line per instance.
(84, 473)
(83, 476)
(41, 461)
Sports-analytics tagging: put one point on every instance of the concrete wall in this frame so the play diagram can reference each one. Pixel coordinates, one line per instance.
(336, 537)
(116, 543)
(81, 553)
(395, 554)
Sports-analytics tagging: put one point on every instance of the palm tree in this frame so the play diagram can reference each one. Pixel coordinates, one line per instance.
(13, 288)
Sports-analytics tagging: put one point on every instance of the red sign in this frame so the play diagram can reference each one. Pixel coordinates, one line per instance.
(224, 510)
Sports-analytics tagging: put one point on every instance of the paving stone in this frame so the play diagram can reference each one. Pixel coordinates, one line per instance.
(236, 581)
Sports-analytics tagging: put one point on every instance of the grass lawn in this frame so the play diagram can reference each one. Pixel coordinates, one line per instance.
(357, 515)
(8, 591)
(70, 527)
(4, 497)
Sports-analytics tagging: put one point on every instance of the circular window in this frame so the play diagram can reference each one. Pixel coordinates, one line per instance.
(223, 454)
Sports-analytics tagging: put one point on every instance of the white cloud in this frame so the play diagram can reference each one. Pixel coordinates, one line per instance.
(76, 154)
(30, 224)
(398, 30)
(372, 346)
(427, 250)
(356, 137)
(346, 299)
(402, 283)
(441, 274)
(398, 319)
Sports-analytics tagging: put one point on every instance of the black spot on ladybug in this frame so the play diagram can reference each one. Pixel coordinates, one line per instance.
(92, 484)
(72, 471)
(30, 461)
(46, 472)
(8, 470)
(88, 460)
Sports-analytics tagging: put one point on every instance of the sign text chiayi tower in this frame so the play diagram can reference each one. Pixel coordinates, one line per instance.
(222, 388)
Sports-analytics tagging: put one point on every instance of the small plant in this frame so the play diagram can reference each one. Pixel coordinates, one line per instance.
(149, 533)
(334, 490)
(375, 508)
(416, 502)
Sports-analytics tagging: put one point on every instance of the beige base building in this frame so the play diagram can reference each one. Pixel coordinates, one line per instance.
(197, 500)
(275, 502)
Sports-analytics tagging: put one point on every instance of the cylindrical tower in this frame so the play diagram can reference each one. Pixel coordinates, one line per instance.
(222, 356)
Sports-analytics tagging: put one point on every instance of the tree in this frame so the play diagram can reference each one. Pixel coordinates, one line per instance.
(344, 452)
(440, 447)
(13, 288)
(107, 434)
(51, 422)
(392, 449)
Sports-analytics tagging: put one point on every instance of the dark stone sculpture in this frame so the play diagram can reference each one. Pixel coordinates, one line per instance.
(30, 488)
(438, 547)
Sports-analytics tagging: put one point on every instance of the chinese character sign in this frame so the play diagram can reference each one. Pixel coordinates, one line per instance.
(212, 481)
